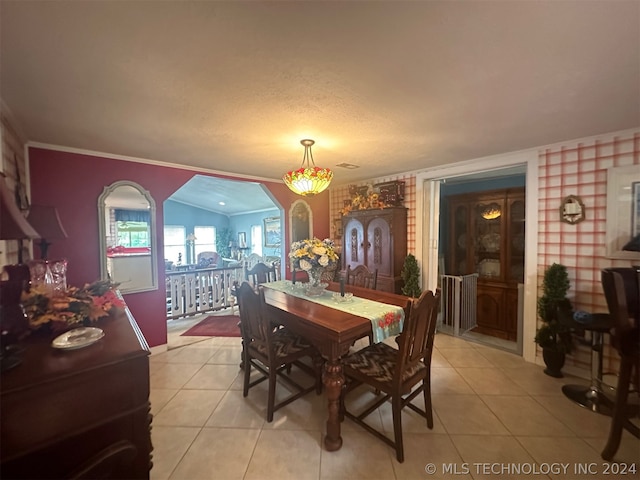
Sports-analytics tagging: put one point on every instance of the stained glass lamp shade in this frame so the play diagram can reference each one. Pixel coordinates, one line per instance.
(308, 179)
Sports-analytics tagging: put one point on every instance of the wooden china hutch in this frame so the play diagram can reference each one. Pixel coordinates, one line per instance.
(487, 236)
(377, 238)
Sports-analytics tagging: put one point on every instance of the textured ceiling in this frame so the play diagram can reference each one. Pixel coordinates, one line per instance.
(388, 86)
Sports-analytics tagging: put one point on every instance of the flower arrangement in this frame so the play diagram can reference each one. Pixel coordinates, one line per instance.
(313, 253)
(73, 307)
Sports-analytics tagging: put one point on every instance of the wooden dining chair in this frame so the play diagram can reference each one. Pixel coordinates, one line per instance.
(622, 291)
(271, 349)
(361, 276)
(261, 273)
(329, 274)
(395, 372)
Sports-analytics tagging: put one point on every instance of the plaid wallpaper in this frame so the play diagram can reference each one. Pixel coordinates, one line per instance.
(581, 170)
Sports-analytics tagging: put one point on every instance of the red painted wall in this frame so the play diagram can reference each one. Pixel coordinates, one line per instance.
(73, 182)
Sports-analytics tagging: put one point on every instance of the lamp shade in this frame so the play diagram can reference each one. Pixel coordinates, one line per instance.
(13, 225)
(308, 179)
(46, 221)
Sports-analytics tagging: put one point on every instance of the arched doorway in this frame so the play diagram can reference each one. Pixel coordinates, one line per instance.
(208, 215)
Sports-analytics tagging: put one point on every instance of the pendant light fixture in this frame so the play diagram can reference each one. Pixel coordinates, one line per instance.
(308, 179)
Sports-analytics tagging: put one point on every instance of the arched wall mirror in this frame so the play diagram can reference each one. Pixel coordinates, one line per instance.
(300, 221)
(127, 227)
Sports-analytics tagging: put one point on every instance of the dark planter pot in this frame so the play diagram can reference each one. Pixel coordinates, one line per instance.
(554, 361)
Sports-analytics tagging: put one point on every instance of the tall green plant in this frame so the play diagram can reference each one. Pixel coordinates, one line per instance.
(411, 276)
(555, 311)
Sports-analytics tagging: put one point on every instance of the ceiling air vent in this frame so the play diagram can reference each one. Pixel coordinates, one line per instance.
(349, 166)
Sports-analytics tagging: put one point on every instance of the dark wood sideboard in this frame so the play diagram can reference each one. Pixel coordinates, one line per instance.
(80, 413)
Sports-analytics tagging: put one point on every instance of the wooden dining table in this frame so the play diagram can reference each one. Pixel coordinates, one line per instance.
(332, 332)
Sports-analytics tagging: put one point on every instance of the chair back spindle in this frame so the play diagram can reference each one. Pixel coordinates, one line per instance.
(261, 273)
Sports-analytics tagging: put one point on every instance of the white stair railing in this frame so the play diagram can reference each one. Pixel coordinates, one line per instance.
(200, 291)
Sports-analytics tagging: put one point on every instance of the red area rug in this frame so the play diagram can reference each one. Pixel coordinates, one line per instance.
(215, 326)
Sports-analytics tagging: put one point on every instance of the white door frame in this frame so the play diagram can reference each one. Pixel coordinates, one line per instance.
(428, 225)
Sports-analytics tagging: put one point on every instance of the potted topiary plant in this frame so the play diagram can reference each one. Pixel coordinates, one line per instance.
(411, 276)
(554, 309)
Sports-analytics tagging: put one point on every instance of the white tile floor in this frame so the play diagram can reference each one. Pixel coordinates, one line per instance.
(492, 411)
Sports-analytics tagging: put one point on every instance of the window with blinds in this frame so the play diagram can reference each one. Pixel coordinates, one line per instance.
(205, 239)
(175, 244)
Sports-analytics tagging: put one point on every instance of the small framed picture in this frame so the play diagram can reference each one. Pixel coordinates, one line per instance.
(272, 232)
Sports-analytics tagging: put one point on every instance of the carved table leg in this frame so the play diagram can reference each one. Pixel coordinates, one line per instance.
(333, 379)
(318, 368)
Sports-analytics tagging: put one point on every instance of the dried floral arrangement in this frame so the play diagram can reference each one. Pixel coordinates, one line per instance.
(368, 197)
(73, 307)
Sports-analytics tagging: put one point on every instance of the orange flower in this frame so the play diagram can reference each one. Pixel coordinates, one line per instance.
(388, 319)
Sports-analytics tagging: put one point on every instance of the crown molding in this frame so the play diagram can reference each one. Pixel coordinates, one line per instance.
(147, 161)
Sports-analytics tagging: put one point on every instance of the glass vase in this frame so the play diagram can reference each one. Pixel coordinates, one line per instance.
(315, 276)
(51, 274)
(315, 287)
(59, 276)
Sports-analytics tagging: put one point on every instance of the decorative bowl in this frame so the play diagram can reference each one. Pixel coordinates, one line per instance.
(490, 242)
(348, 297)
